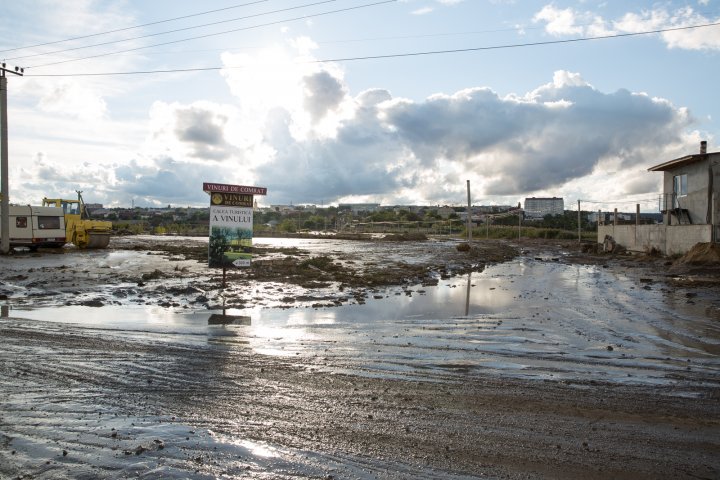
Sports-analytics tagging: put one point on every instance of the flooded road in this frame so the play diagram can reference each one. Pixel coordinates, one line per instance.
(531, 317)
(533, 368)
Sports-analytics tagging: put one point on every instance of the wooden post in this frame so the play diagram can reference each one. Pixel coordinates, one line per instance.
(519, 220)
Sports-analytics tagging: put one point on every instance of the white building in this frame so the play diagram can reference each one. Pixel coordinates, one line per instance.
(537, 208)
(356, 208)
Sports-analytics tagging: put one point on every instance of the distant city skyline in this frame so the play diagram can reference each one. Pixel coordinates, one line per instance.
(297, 97)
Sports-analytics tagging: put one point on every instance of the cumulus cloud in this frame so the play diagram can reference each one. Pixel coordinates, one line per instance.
(204, 131)
(660, 18)
(397, 149)
(572, 22)
(323, 94)
(558, 21)
(563, 136)
(394, 149)
(558, 132)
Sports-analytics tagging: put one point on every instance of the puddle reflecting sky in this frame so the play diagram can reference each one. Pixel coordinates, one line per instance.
(534, 318)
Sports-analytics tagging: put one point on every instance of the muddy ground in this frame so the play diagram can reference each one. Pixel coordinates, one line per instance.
(79, 402)
(174, 273)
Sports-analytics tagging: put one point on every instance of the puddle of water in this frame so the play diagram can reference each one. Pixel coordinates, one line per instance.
(528, 317)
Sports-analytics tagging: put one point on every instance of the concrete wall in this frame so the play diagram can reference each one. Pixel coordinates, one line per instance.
(670, 240)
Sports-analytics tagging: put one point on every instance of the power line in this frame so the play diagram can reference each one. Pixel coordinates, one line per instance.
(246, 17)
(375, 57)
(518, 26)
(348, 40)
(618, 202)
(304, 17)
(131, 28)
(518, 45)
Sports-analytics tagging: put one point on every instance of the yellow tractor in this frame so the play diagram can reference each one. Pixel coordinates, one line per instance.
(79, 228)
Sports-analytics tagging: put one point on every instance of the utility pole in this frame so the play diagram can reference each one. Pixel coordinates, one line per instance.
(469, 215)
(5, 180)
(579, 232)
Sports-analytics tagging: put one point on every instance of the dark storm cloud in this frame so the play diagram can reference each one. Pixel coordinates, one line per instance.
(459, 126)
(204, 131)
(323, 93)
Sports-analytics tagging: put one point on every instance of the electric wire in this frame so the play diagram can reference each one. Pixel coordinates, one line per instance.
(124, 40)
(517, 26)
(374, 57)
(618, 201)
(303, 17)
(519, 45)
(82, 37)
(622, 202)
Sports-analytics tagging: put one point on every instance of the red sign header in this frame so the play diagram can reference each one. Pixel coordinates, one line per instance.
(223, 188)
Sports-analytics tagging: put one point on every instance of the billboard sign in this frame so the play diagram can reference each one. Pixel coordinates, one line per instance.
(224, 188)
(231, 224)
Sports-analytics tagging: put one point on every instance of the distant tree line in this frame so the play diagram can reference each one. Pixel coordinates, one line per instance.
(196, 221)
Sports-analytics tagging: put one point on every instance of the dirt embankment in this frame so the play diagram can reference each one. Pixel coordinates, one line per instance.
(698, 267)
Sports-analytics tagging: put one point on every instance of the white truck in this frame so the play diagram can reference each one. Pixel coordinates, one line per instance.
(35, 227)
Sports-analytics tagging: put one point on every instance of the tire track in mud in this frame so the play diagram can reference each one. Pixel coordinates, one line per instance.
(73, 389)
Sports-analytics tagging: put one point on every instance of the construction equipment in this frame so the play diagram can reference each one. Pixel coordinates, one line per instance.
(82, 231)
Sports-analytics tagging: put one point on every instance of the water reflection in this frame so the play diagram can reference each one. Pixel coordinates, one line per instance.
(224, 319)
(467, 296)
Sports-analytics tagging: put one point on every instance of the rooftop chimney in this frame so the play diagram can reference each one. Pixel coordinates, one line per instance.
(703, 147)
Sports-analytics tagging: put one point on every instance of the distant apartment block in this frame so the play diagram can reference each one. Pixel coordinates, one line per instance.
(356, 208)
(537, 208)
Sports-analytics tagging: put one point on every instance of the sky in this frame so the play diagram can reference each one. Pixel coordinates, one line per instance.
(352, 101)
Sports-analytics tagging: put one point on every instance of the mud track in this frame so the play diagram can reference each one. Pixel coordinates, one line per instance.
(472, 426)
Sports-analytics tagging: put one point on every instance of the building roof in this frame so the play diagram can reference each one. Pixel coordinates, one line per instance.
(680, 162)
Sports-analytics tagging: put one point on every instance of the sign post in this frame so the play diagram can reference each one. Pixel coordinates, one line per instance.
(231, 224)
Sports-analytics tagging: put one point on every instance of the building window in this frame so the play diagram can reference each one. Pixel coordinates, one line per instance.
(679, 188)
(680, 185)
(21, 222)
(48, 223)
